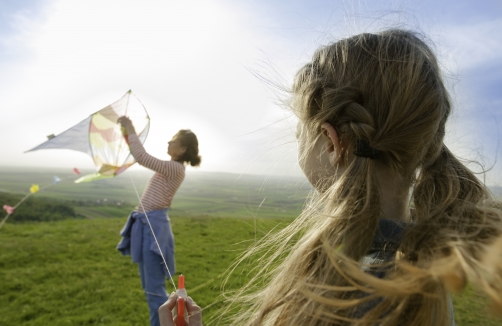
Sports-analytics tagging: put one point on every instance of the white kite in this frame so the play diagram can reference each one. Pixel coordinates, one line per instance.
(101, 137)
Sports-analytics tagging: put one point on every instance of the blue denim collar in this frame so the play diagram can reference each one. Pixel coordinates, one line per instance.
(389, 234)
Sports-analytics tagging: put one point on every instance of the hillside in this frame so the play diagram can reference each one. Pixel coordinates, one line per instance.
(69, 273)
(65, 270)
(202, 194)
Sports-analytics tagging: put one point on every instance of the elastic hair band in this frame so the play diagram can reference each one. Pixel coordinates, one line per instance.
(363, 149)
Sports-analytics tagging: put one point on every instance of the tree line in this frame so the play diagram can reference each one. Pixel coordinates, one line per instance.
(37, 209)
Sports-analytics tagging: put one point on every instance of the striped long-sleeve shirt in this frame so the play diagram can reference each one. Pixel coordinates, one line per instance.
(163, 184)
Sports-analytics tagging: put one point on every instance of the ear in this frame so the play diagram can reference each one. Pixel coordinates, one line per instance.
(333, 148)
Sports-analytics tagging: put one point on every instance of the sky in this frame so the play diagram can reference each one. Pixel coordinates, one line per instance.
(214, 66)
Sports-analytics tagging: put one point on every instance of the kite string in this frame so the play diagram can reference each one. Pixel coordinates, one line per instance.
(153, 233)
(20, 202)
(26, 197)
(9, 214)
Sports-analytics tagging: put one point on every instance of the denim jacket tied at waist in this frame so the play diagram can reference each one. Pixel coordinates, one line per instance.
(132, 237)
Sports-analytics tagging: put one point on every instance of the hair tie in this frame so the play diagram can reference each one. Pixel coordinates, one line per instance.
(363, 149)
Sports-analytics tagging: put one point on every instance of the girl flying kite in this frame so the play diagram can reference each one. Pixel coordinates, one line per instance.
(138, 239)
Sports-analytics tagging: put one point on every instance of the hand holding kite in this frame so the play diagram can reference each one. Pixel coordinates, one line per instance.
(126, 124)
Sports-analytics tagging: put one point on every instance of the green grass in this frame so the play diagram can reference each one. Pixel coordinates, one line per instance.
(471, 309)
(69, 273)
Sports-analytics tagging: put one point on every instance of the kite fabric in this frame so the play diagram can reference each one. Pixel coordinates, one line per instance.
(56, 180)
(100, 136)
(8, 209)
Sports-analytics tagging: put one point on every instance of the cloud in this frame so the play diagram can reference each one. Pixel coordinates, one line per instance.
(472, 57)
(474, 45)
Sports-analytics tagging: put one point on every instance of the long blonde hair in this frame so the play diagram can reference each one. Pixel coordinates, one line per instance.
(384, 89)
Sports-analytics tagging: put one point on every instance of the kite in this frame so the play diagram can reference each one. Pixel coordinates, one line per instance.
(100, 136)
(34, 188)
(56, 180)
(9, 209)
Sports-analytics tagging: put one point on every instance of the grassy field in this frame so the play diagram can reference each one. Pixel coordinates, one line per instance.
(69, 273)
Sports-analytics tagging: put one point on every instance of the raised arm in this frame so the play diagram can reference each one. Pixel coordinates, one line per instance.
(168, 168)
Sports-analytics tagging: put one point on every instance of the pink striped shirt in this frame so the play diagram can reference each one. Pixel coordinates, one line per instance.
(163, 184)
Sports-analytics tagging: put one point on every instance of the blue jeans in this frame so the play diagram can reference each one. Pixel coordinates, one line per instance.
(152, 276)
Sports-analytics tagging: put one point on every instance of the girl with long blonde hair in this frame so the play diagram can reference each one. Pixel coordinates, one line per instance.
(397, 221)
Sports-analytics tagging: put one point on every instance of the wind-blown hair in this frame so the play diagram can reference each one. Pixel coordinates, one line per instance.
(385, 89)
(189, 140)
